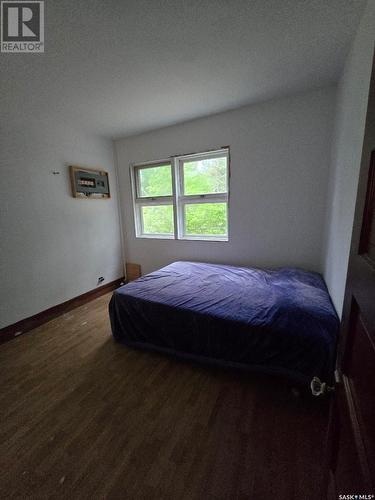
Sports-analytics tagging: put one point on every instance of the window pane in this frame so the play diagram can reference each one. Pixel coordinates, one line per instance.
(209, 219)
(155, 181)
(205, 176)
(157, 219)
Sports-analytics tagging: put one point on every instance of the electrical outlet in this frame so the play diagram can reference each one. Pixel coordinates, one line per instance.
(100, 280)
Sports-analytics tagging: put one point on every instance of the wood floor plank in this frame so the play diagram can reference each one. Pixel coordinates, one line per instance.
(85, 417)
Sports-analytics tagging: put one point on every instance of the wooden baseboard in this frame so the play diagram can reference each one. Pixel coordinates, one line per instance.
(27, 324)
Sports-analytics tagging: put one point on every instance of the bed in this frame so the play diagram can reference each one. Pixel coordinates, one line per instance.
(279, 321)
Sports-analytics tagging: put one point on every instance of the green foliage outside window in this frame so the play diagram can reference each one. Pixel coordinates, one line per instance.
(155, 181)
(206, 219)
(205, 176)
(158, 219)
(200, 177)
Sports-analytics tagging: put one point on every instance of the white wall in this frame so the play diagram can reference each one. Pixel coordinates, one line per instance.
(280, 154)
(53, 247)
(346, 156)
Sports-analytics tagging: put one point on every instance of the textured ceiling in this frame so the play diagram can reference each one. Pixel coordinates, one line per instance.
(121, 67)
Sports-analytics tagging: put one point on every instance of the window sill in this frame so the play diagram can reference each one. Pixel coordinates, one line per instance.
(155, 237)
(205, 238)
(183, 238)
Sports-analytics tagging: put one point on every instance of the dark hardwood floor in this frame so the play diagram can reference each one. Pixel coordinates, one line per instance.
(84, 417)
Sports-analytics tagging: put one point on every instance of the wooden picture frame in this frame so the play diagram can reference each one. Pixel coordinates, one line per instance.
(89, 183)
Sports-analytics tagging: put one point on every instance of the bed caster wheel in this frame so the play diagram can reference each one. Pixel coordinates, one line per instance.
(319, 388)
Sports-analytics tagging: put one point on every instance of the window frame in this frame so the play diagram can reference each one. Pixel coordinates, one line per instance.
(178, 199)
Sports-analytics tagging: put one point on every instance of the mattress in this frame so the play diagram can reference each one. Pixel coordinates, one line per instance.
(278, 321)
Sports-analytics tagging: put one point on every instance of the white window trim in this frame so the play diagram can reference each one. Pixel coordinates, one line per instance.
(178, 199)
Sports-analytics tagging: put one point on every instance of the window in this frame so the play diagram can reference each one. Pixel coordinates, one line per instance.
(185, 197)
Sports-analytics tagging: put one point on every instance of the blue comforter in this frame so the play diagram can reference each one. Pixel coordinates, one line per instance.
(277, 321)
